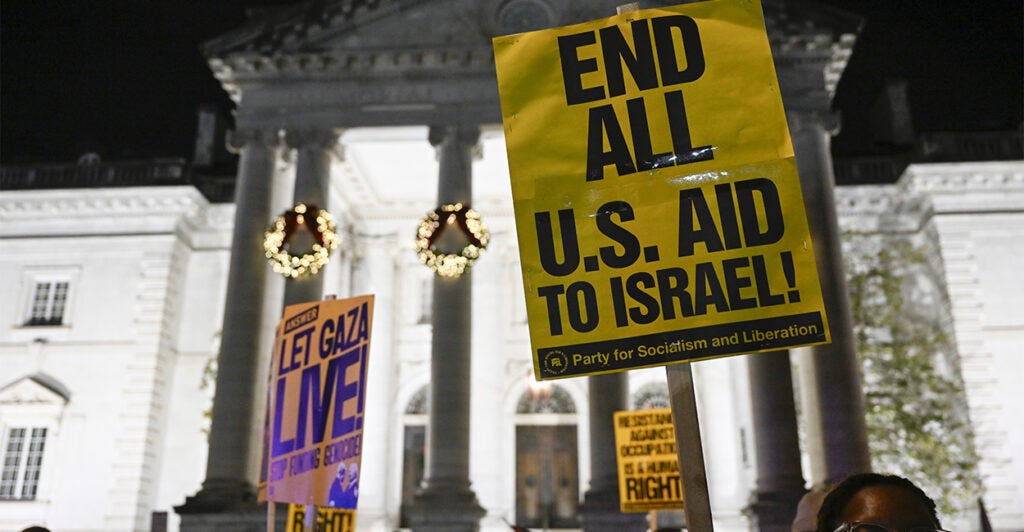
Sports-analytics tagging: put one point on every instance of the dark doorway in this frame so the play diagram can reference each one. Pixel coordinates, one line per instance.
(547, 484)
(412, 468)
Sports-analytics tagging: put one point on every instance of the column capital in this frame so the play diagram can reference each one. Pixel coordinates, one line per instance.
(241, 137)
(462, 134)
(365, 245)
(318, 138)
(823, 119)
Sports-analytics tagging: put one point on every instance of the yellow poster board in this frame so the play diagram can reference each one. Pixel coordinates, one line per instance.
(645, 447)
(327, 519)
(657, 202)
(314, 432)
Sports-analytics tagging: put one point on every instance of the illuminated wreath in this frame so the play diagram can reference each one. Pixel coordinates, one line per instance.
(319, 223)
(431, 227)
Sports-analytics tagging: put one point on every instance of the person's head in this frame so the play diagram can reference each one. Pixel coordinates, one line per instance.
(340, 475)
(807, 511)
(353, 477)
(888, 502)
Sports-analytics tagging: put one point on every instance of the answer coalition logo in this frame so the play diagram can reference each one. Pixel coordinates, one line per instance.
(555, 362)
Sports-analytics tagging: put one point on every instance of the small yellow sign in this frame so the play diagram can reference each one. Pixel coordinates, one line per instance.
(657, 202)
(327, 519)
(645, 444)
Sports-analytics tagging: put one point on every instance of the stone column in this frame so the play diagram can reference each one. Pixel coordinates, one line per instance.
(446, 503)
(836, 365)
(600, 509)
(315, 149)
(283, 182)
(228, 493)
(378, 268)
(780, 481)
(489, 380)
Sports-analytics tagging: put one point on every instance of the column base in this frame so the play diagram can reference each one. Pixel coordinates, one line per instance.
(445, 510)
(255, 521)
(220, 495)
(668, 521)
(773, 511)
(227, 506)
(600, 513)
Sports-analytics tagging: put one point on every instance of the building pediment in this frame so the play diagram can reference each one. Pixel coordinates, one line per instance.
(393, 25)
(35, 389)
(403, 62)
(320, 27)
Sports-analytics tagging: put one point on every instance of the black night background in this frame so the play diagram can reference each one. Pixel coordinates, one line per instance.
(124, 78)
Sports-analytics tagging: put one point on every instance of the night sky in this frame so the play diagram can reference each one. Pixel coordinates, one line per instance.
(125, 77)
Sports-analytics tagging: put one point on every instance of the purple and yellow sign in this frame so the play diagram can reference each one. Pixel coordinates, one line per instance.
(316, 406)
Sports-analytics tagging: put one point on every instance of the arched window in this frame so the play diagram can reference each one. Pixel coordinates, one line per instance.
(651, 395)
(417, 404)
(544, 398)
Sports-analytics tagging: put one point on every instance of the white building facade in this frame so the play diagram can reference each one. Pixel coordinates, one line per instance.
(113, 298)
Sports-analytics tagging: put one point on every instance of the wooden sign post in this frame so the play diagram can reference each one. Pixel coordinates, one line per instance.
(688, 447)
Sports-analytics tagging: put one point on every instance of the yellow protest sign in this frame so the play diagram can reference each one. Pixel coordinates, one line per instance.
(645, 447)
(327, 519)
(316, 408)
(657, 202)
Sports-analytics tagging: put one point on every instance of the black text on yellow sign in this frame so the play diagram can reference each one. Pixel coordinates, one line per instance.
(668, 293)
(652, 51)
(647, 461)
(658, 207)
(327, 519)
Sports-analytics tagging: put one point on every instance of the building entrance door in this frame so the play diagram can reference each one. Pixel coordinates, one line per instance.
(546, 476)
